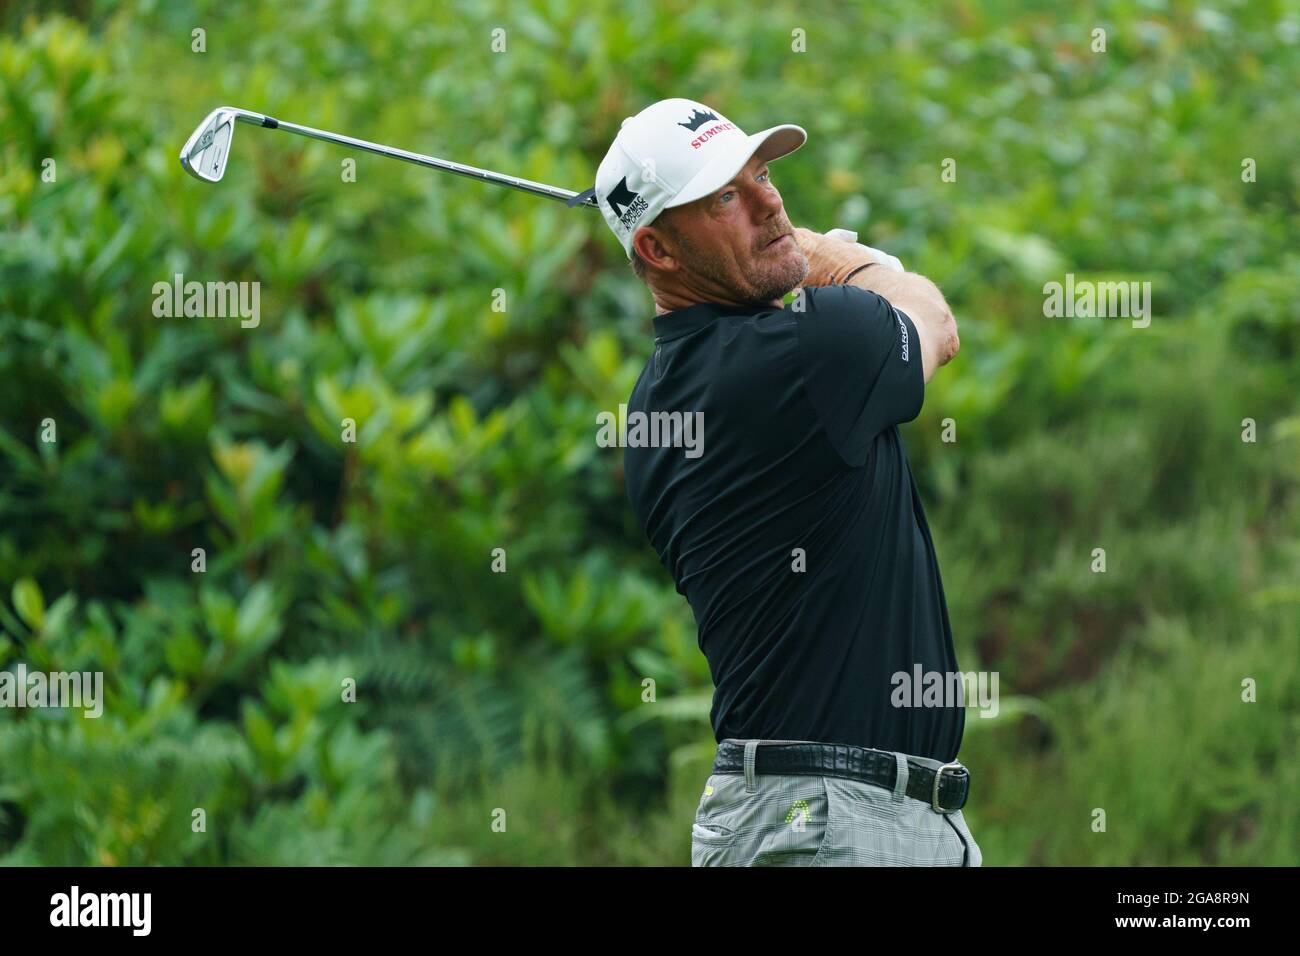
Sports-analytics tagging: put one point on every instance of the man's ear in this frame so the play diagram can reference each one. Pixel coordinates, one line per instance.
(649, 245)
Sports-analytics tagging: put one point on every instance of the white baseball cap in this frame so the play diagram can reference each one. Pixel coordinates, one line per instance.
(674, 152)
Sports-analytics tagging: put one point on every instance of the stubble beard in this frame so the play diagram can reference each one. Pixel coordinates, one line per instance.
(778, 278)
(770, 279)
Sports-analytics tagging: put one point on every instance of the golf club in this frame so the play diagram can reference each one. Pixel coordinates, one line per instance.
(207, 152)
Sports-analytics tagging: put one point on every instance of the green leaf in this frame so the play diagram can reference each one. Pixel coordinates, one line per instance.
(29, 603)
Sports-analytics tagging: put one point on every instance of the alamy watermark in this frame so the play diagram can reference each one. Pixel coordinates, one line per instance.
(208, 300)
(651, 430)
(81, 690)
(130, 910)
(1107, 300)
(922, 688)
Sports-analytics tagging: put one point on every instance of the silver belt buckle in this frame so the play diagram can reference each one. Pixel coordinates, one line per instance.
(938, 777)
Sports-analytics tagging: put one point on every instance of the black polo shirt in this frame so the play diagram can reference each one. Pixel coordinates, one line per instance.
(794, 528)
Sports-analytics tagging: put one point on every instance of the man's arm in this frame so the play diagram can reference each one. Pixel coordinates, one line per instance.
(921, 299)
(830, 261)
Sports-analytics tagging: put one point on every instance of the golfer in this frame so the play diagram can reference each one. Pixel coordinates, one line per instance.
(793, 527)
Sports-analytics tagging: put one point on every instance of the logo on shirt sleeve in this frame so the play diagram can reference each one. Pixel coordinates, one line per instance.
(902, 332)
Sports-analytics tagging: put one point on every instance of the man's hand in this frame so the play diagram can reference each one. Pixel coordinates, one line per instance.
(882, 257)
(829, 260)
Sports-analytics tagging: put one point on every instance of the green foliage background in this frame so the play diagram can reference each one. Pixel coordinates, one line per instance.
(522, 691)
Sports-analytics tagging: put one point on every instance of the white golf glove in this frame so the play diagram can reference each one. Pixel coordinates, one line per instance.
(884, 258)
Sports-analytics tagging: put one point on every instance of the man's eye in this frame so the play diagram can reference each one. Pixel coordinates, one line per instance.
(764, 176)
(724, 196)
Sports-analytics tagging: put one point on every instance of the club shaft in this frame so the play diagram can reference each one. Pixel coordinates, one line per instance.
(431, 162)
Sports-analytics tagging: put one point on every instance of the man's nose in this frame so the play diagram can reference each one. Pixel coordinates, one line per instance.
(768, 204)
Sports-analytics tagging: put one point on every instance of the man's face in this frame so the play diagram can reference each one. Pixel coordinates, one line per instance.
(735, 244)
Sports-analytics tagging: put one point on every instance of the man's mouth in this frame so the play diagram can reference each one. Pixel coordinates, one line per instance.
(780, 238)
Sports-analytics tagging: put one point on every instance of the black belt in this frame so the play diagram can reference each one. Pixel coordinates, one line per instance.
(943, 789)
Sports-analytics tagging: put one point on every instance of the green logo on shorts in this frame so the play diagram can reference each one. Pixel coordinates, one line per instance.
(799, 806)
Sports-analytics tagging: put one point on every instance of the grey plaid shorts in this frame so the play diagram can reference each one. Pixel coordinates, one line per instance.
(802, 820)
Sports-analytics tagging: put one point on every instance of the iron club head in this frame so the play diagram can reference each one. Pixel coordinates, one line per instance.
(205, 153)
